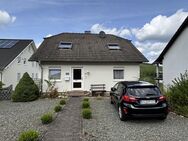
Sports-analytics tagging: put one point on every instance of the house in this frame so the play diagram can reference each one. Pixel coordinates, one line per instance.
(14, 55)
(174, 57)
(77, 60)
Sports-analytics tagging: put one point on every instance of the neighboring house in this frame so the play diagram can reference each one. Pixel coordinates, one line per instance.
(77, 60)
(14, 55)
(174, 57)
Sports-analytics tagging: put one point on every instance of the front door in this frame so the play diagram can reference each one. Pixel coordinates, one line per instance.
(77, 81)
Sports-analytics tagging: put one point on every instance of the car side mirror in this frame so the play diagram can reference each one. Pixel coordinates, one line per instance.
(113, 89)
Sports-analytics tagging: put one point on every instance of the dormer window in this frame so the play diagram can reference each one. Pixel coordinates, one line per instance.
(65, 45)
(113, 46)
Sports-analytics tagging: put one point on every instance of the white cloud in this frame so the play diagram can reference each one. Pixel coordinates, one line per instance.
(122, 32)
(6, 18)
(149, 49)
(49, 35)
(160, 28)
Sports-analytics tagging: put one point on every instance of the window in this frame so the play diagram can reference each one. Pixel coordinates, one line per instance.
(113, 46)
(24, 60)
(33, 75)
(19, 60)
(65, 45)
(32, 64)
(54, 73)
(118, 74)
(18, 76)
(36, 76)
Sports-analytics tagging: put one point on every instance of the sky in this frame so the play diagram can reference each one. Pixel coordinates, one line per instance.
(149, 24)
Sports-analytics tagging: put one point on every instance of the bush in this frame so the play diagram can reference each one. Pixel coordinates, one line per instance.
(26, 90)
(85, 104)
(86, 113)
(62, 102)
(177, 94)
(30, 135)
(86, 99)
(47, 118)
(57, 108)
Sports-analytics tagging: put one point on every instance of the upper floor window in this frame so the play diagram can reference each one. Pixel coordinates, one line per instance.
(19, 60)
(113, 46)
(55, 73)
(24, 60)
(65, 45)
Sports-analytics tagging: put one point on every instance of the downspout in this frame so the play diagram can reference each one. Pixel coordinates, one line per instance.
(41, 87)
(1, 76)
(157, 73)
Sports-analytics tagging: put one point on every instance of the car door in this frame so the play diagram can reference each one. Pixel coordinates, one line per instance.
(119, 93)
(114, 92)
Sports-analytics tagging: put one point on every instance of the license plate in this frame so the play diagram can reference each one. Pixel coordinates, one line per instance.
(147, 102)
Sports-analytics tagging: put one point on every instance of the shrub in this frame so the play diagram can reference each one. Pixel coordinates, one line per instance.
(26, 90)
(51, 91)
(99, 97)
(62, 102)
(85, 104)
(86, 99)
(177, 94)
(29, 135)
(47, 118)
(57, 108)
(86, 113)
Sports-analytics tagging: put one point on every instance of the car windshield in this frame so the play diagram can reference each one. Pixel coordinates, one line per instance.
(143, 91)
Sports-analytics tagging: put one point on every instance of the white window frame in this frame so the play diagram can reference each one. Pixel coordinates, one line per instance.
(119, 69)
(18, 76)
(59, 79)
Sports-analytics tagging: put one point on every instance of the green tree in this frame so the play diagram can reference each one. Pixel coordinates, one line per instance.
(26, 90)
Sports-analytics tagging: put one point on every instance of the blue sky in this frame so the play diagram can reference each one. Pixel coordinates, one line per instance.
(149, 24)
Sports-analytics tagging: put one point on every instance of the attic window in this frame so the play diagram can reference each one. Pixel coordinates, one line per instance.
(113, 46)
(65, 45)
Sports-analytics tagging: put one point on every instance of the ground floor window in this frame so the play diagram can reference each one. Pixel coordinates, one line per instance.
(118, 73)
(54, 73)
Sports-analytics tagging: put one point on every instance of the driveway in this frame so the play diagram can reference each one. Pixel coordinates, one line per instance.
(106, 125)
(16, 117)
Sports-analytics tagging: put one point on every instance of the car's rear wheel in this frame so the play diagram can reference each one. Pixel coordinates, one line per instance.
(122, 115)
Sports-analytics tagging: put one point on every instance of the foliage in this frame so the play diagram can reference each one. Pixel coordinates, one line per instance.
(99, 97)
(86, 113)
(57, 108)
(85, 104)
(62, 102)
(1, 85)
(148, 72)
(47, 118)
(86, 99)
(26, 90)
(51, 91)
(177, 94)
(29, 135)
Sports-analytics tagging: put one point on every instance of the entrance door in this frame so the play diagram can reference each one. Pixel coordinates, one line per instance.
(77, 82)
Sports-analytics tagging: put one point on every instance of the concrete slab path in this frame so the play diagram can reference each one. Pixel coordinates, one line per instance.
(68, 124)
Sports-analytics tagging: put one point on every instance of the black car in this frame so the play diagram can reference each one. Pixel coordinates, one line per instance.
(139, 99)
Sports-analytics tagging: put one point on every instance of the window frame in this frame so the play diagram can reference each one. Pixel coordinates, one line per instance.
(118, 69)
(59, 79)
(61, 46)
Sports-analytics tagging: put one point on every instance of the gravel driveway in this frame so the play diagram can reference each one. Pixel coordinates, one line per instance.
(16, 117)
(106, 125)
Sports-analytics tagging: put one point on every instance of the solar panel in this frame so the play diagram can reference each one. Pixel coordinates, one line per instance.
(7, 43)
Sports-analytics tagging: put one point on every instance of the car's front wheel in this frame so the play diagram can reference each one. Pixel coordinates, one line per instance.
(122, 115)
(111, 100)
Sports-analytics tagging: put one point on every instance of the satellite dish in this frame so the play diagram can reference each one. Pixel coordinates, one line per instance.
(102, 34)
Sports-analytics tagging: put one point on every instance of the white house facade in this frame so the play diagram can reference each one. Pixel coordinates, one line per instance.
(12, 70)
(174, 57)
(75, 61)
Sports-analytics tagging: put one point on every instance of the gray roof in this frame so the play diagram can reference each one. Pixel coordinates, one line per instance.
(7, 55)
(88, 48)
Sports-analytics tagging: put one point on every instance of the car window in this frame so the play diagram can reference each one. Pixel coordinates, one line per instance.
(120, 88)
(144, 91)
(116, 86)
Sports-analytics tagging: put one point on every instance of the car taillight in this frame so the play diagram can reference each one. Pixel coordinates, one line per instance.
(162, 98)
(130, 99)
